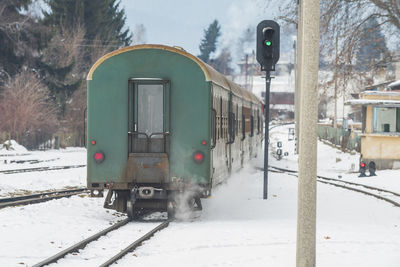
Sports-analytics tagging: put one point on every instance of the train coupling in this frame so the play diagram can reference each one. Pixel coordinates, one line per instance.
(148, 192)
(96, 193)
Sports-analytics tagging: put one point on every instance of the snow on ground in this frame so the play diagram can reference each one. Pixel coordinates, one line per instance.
(236, 228)
(11, 159)
(239, 228)
(29, 234)
(332, 162)
(24, 183)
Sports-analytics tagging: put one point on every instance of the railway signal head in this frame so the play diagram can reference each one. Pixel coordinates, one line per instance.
(268, 44)
(372, 168)
(362, 169)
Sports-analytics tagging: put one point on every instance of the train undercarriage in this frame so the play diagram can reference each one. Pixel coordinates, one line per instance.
(141, 200)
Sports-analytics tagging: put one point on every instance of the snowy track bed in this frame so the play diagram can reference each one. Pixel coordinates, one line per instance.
(42, 170)
(236, 228)
(379, 193)
(32, 233)
(40, 197)
(239, 228)
(106, 246)
(34, 182)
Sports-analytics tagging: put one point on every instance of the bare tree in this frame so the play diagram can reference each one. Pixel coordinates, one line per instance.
(342, 25)
(25, 108)
(342, 33)
(73, 121)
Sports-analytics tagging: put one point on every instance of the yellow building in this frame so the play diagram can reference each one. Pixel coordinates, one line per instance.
(380, 138)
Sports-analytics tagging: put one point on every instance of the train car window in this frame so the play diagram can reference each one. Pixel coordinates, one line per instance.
(148, 127)
(252, 125)
(243, 127)
(247, 113)
(237, 120)
(224, 119)
(221, 119)
(214, 127)
(150, 109)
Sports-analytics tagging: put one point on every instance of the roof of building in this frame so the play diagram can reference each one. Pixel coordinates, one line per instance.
(374, 102)
(394, 84)
(381, 93)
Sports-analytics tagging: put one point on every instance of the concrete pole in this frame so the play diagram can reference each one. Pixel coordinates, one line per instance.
(306, 212)
(296, 113)
(336, 78)
(298, 79)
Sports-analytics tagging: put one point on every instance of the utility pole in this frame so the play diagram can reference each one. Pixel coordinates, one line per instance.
(299, 56)
(296, 94)
(336, 78)
(306, 212)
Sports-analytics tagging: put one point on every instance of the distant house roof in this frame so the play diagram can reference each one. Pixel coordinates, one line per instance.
(394, 85)
(375, 102)
(381, 93)
(379, 86)
(282, 107)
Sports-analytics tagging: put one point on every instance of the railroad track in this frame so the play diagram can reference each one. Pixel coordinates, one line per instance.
(82, 244)
(41, 197)
(379, 193)
(39, 169)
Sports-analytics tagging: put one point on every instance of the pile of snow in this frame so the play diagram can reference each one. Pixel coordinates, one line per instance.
(11, 147)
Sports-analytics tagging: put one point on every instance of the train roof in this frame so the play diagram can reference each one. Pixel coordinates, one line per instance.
(210, 73)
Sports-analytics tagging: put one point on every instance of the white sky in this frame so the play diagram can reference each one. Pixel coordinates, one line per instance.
(182, 22)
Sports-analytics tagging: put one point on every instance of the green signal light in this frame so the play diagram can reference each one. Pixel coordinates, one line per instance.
(268, 43)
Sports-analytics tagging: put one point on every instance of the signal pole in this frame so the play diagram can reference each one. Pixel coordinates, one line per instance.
(266, 137)
(306, 210)
(268, 42)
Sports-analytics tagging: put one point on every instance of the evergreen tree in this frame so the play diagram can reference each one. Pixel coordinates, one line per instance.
(209, 42)
(372, 45)
(57, 79)
(103, 19)
(222, 62)
(103, 22)
(18, 37)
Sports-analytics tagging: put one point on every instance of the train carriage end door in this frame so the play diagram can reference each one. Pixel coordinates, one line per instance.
(148, 135)
(148, 116)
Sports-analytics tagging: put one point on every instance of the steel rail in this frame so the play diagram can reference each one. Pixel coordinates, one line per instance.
(135, 244)
(395, 203)
(343, 181)
(38, 169)
(37, 198)
(363, 185)
(81, 244)
(362, 191)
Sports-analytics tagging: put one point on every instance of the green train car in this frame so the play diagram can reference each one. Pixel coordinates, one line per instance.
(162, 124)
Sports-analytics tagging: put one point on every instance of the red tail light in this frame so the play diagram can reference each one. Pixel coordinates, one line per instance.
(198, 157)
(99, 157)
